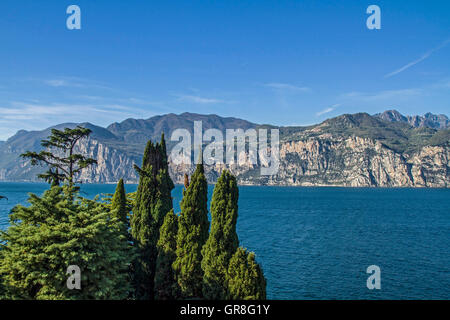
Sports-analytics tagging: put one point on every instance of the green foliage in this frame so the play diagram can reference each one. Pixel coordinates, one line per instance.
(64, 164)
(119, 205)
(400, 137)
(441, 137)
(166, 287)
(245, 277)
(2, 285)
(223, 240)
(193, 227)
(54, 232)
(152, 202)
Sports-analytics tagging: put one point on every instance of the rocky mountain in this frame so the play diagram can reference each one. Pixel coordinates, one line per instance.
(357, 150)
(428, 120)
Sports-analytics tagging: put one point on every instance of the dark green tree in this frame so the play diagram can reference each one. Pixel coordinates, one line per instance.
(2, 285)
(153, 201)
(223, 240)
(55, 232)
(60, 155)
(193, 227)
(245, 277)
(119, 205)
(166, 287)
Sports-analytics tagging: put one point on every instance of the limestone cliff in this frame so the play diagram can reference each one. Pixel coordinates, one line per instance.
(350, 150)
(335, 161)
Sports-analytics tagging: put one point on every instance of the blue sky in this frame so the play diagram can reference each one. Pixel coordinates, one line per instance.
(279, 62)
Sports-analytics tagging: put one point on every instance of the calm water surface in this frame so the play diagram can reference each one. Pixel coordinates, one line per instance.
(316, 243)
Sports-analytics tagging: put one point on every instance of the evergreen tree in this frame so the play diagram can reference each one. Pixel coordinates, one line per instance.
(193, 227)
(119, 205)
(2, 285)
(60, 156)
(223, 240)
(166, 287)
(55, 232)
(245, 277)
(152, 202)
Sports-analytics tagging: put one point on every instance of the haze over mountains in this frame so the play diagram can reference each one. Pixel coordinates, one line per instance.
(386, 149)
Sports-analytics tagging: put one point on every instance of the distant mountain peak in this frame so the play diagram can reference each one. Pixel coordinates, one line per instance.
(428, 120)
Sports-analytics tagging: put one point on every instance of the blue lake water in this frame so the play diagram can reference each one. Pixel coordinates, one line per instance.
(316, 243)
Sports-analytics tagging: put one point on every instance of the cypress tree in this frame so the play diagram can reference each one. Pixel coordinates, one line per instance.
(245, 277)
(192, 234)
(166, 287)
(119, 204)
(153, 201)
(223, 240)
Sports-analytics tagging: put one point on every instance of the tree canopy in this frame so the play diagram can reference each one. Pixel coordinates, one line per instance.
(223, 239)
(193, 227)
(60, 156)
(55, 232)
(153, 201)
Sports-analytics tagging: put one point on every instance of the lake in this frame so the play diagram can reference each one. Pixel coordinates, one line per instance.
(316, 243)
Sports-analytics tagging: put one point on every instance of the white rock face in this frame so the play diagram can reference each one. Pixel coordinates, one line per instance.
(323, 160)
(336, 161)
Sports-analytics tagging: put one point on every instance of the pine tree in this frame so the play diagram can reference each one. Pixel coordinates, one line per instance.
(60, 156)
(245, 277)
(55, 232)
(119, 205)
(193, 227)
(153, 201)
(166, 287)
(223, 240)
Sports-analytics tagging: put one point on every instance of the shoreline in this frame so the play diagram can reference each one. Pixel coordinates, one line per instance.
(264, 185)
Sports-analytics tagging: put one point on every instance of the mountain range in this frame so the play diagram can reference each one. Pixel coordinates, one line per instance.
(428, 120)
(360, 150)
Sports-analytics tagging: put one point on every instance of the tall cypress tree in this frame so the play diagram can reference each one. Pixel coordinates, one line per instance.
(192, 234)
(245, 277)
(223, 240)
(119, 204)
(153, 201)
(166, 287)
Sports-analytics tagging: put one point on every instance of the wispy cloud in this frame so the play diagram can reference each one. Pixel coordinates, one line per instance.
(287, 86)
(36, 116)
(22, 110)
(198, 99)
(61, 83)
(72, 82)
(381, 95)
(328, 110)
(422, 58)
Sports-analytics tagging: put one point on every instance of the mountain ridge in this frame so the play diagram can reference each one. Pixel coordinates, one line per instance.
(428, 120)
(321, 154)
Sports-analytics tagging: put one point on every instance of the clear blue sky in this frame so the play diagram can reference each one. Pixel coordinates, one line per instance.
(279, 62)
